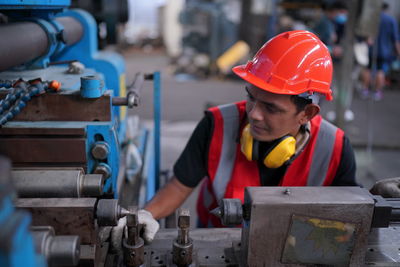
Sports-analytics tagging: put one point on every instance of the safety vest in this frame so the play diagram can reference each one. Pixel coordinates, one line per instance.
(229, 172)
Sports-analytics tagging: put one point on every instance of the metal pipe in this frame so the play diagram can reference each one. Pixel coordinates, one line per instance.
(57, 183)
(22, 42)
(58, 250)
(73, 30)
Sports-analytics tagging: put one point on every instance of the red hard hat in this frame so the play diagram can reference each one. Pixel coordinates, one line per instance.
(291, 63)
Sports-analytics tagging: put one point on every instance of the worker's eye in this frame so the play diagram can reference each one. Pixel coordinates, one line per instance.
(271, 109)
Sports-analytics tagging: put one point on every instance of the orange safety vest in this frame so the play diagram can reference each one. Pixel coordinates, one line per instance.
(229, 172)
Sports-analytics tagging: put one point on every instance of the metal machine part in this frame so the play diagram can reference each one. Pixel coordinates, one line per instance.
(57, 183)
(182, 249)
(309, 225)
(108, 212)
(132, 243)
(58, 250)
(100, 150)
(230, 211)
(30, 40)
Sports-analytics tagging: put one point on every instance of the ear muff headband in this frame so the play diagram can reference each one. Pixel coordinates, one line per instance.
(280, 152)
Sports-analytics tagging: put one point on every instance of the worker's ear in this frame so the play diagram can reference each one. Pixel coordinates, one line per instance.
(310, 111)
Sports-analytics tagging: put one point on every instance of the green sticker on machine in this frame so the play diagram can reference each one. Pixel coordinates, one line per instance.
(319, 241)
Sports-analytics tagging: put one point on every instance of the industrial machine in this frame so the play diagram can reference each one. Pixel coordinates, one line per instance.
(288, 226)
(75, 152)
(64, 127)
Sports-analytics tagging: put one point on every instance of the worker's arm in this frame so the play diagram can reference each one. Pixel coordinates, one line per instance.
(168, 199)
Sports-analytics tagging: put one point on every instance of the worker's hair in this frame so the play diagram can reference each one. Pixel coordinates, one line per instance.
(300, 102)
(385, 6)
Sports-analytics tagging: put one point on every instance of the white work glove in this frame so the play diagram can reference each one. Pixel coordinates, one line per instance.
(387, 187)
(151, 226)
(117, 233)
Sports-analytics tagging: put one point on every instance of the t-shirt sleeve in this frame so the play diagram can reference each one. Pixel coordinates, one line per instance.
(191, 166)
(346, 173)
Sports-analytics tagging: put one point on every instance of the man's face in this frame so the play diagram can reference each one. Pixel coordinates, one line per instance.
(272, 116)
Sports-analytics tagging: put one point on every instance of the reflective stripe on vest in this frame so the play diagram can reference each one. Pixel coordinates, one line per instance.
(322, 154)
(230, 115)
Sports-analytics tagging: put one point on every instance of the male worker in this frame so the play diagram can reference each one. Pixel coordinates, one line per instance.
(274, 138)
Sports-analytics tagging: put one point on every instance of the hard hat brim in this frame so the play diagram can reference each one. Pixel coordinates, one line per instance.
(243, 73)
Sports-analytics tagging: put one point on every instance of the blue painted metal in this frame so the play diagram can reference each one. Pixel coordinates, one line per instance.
(157, 127)
(34, 4)
(16, 246)
(149, 167)
(52, 29)
(104, 131)
(109, 63)
(91, 87)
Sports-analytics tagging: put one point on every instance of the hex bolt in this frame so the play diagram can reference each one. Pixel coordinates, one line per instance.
(100, 150)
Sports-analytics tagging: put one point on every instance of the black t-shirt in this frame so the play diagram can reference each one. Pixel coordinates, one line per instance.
(191, 167)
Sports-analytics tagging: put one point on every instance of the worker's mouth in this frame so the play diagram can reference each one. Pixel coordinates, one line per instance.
(257, 129)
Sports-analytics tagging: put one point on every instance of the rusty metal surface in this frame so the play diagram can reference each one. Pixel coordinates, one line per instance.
(271, 218)
(211, 247)
(68, 216)
(42, 150)
(65, 107)
(221, 247)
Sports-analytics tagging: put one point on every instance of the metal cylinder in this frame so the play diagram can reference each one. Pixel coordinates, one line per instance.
(133, 254)
(22, 42)
(108, 212)
(57, 183)
(58, 250)
(92, 185)
(182, 253)
(73, 30)
(232, 211)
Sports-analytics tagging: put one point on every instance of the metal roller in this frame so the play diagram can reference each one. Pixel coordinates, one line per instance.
(27, 41)
(57, 183)
(58, 250)
(108, 212)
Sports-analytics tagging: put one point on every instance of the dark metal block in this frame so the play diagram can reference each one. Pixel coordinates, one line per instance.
(276, 211)
(65, 106)
(68, 216)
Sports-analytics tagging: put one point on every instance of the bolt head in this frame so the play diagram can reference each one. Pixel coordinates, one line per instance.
(100, 151)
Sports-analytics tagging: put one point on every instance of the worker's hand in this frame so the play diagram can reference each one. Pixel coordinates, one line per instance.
(117, 234)
(387, 187)
(151, 226)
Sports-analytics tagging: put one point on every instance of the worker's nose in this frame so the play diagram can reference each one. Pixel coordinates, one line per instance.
(254, 111)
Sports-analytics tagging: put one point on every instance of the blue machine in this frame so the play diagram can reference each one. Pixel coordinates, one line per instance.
(63, 109)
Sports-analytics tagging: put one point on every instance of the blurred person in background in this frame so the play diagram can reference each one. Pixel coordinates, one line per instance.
(387, 45)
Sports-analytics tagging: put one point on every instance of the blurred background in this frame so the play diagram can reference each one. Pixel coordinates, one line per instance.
(194, 43)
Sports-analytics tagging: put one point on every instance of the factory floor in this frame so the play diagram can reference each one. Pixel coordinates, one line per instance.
(373, 132)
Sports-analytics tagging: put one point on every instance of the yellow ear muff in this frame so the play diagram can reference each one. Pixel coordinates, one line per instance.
(281, 153)
(246, 143)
